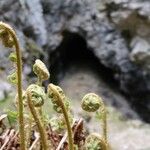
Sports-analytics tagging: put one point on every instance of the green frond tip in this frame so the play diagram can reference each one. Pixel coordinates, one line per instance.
(58, 109)
(38, 95)
(41, 70)
(58, 124)
(6, 38)
(12, 78)
(52, 95)
(95, 142)
(54, 98)
(24, 98)
(12, 116)
(13, 57)
(91, 102)
(58, 97)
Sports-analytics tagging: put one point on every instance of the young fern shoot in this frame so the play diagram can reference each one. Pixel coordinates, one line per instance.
(94, 142)
(41, 71)
(35, 98)
(9, 39)
(61, 106)
(91, 103)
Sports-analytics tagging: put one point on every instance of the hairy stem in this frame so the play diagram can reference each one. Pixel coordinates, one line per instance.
(29, 131)
(19, 85)
(39, 81)
(70, 137)
(38, 122)
(40, 112)
(104, 124)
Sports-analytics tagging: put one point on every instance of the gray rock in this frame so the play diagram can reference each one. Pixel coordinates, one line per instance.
(124, 134)
(140, 52)
(35, 21)
(5, 89)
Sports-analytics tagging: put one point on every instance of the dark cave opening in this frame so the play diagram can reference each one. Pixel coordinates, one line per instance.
(73, 50)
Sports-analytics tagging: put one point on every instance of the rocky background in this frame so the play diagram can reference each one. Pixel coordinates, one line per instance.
(116, 33)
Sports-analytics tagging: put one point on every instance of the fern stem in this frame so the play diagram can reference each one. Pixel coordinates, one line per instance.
(104, 126)
(38, 122)
(69, 130)
(19, 85)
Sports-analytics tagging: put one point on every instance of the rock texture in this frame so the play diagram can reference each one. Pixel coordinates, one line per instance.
(118, 32)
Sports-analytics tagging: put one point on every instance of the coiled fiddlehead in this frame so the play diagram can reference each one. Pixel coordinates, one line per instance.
(54, 99)
(57, 96)
(91, 103)
(41, 71)
(12, 78)
(38, 95)
(9, 39)
(32, 104)
(94, 142)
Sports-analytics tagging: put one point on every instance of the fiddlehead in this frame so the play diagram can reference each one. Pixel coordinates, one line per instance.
(41, 71)
(38, 95)
(58, 99)
(38, 98)
(94, 142)
(91, 103)
(31, 102)
(9, 39)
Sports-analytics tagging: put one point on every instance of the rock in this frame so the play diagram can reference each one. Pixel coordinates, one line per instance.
(35, 21)
(5, 89)
(5, 66)
(127, 134)
(140, 52)
(101, 35)
(123, 134)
